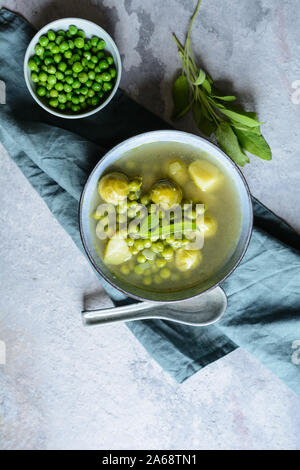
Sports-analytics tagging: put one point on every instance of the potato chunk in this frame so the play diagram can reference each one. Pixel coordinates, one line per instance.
(187, 259)
(177, 171)
(204, 174)
(116, 251)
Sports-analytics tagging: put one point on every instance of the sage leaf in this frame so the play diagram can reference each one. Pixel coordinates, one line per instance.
(201, 77)
(181, 97)
(229, 143)
(204, 124)
(254, 143)
(225, 98)
(238, 116)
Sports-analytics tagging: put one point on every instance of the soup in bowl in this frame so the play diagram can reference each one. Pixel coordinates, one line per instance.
(165, 216)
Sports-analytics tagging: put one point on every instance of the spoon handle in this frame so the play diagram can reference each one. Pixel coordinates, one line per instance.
(130, 312)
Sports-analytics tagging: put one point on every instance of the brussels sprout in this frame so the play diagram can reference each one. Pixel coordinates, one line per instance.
(113, 188)
(116, 251)
(166, 194)
(187, 259)
(204, 174)
(209, 226)
(177, 171)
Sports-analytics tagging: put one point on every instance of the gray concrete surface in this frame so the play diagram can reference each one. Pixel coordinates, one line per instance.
(66, 387)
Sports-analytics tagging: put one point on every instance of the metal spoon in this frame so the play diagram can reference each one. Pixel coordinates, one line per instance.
(200, 310)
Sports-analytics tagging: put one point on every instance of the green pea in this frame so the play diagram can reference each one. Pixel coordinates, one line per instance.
(59, 86)
(138, 269)
(145, 200)
(44, 41)
(62, 66)
(96, 86)
(75, 108)
(51, 80)
(48, 61)
(53, 103)
(94, 41)
(91, 65)
(79, 42)
(168, 252)
(91, 75)
(75, 99)
(160, 262)
(60, 76)
(105, 77)
(81, 99)
(98, 78)
(77, 67)
(43, 77)
(59, 40)
(67, 88)
(141, 258)
(107, 86)
(83, 77)
(72, 30)
(101, 44)
(165, 273)
(100, 55)
(89, 83)
(69, 80)
(71, 44)
(62, 98)
(125, 269)
(39, 50)
(51, 69)
(61, 106)
(87, 55)
(112, 72)
(49, 87)
(61, 32)
(32, 65)
(94, 59)
(68, 104)
(103, 64)
(76, 84)
(50, 45)
(158, 247)
(55, 49)
(87, 46)
(57, 58)
(51, 35)
(54, 93)
(110, 60)
(69, 96)
(68, 72)
(35, 77)
(64, 46)
(84, 90)
(81, 33)
(101, 94)
(83, 106)
(38, 60)
(139, 244)
(147, 280)
(91, 93)
(41, 91)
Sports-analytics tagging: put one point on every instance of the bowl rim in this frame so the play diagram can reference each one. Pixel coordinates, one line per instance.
(201, 139)
(34, 40)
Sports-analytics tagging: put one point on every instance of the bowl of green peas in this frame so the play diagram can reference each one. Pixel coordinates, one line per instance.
(72, 68)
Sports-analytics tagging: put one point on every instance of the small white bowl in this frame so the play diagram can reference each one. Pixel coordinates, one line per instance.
(90, 29)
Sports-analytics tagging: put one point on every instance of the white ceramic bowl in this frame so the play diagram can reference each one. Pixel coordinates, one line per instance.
(89, 196)
(90, 29)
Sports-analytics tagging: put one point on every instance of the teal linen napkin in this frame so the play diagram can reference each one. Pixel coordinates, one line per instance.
(56, 156)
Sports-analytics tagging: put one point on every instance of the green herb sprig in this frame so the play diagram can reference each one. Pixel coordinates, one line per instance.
(236, 130)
